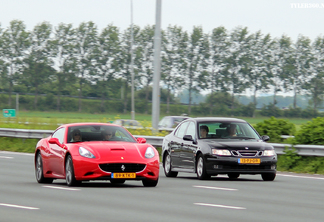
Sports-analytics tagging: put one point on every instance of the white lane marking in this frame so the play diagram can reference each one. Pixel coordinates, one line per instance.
(221, 206)
(61, 188)
(6, 157)
(304, 177)
(216, 188)
(18, 206)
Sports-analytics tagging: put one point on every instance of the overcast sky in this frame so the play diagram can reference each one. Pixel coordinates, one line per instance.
(276, 17)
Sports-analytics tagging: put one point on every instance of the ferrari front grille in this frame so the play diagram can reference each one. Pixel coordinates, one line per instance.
(122, 167)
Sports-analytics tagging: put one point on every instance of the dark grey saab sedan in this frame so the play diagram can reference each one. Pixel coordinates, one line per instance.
(210, 146)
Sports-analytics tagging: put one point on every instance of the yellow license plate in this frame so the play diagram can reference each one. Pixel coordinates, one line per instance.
(249, 160)
(123, 175)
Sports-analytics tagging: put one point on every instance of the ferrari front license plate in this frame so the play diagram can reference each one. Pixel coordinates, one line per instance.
(249, 160)
(123, 175)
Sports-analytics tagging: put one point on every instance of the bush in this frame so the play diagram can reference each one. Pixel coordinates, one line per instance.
(289, 160)
(293, 113)
(274, 128)
(271, 110)
(311, 132)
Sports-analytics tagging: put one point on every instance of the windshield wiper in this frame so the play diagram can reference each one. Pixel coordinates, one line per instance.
(239, 137)
(243, 137)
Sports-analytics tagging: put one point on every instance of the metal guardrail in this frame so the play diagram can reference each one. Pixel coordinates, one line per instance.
(25, 133)
(303, 150)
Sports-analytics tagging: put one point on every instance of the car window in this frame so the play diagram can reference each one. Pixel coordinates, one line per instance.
(59, 134)
(96, 133)
(164, 122)
(191, 130)
(220, 129)
(180, 132)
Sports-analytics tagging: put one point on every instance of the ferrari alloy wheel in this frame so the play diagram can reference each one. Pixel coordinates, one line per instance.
(69, 172)
(150, 183)
(268, 176)
(167, 167)
(201, 168)
(39, 170)
(233, 176)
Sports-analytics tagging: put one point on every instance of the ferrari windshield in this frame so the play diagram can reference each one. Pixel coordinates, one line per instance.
(225, 130)
(82, 133)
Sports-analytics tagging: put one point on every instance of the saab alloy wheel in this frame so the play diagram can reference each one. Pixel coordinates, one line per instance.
(201, 168)
(167, 167)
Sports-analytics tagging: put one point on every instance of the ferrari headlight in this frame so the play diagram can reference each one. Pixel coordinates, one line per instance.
(269, 153)
(221, 152)
(85, 153)
(149, 153)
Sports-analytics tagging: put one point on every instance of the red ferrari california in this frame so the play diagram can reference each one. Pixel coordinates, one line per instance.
(95, 151)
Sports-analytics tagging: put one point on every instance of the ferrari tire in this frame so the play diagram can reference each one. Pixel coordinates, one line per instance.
(233, 176)
(39, 171)
(167, 166)
(268, 176)
(69, 173)
(201, 168)
(117, 181)
(150, 183)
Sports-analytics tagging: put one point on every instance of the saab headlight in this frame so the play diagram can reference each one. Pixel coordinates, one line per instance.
(149, 153)
(85, 153)
(221, 152)
(269, 153)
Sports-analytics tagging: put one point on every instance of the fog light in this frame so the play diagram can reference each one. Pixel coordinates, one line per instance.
(218, 167)
(273, 167)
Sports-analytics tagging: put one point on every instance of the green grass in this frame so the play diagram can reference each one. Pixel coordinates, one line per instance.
(51, 120)
(28, 120)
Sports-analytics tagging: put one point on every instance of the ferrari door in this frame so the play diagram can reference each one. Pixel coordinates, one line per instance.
(57, 153)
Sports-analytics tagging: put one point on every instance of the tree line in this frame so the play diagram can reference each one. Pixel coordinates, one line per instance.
(84, 61)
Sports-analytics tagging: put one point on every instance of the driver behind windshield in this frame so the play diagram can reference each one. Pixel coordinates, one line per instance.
(76, 136)
(204, 131)
(231, 130)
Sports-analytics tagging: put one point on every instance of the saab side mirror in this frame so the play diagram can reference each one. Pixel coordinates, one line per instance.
(265, 138)
(188, 138)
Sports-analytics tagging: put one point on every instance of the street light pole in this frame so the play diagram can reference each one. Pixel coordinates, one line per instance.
(157, 69)
(132, 64)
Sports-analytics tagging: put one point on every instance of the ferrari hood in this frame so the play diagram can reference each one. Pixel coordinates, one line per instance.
(116, 151)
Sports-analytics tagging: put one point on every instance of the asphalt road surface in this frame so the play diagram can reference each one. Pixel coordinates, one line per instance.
(291, 197)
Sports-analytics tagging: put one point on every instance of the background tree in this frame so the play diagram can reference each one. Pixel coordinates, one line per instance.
(297, 68)
(172, 70)
(275, 67)
(38, 64)
(125, 73)
(315, 83)
(236, 63)
(108, 61)
(218, 50)
(145, 72)
(15, 43)
(62, 54)
(194, 61)
(86, 42)
(257, 70)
